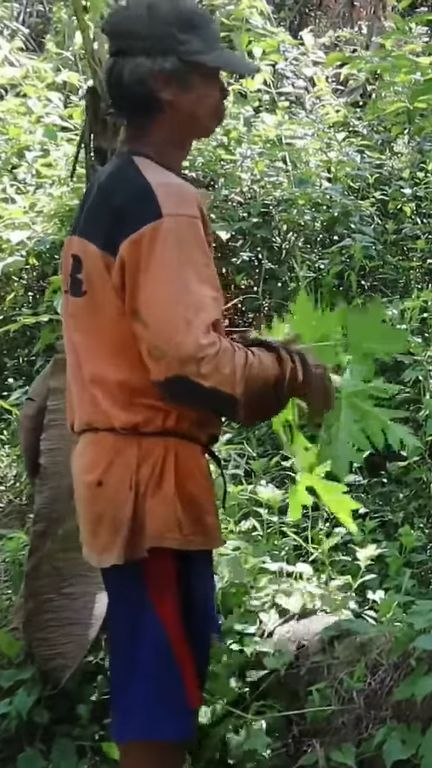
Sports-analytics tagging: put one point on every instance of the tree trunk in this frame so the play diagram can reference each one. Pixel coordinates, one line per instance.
(100, 133)
(101, 130)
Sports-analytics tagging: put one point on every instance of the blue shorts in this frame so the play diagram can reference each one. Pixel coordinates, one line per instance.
(161, 621)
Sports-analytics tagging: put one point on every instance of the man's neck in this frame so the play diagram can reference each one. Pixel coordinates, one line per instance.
(160, 144)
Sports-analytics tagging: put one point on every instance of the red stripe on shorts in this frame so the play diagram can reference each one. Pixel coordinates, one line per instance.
(161, 578)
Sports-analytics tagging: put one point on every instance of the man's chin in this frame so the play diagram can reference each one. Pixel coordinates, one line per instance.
(209, 130)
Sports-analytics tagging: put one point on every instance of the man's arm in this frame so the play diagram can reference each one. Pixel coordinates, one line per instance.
(31, 422)
(174, 299)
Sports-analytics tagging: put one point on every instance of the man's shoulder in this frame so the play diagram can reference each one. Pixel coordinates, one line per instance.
(128, 195)
(175, 195)
(119, 201)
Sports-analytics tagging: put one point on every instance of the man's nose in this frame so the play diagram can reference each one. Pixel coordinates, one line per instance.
(224, 91)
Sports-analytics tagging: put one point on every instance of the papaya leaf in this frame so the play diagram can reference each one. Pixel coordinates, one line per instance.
(319, 329)
(298, 498)
(305, 453)
(369, 334)
(332, 495)
(358, 424)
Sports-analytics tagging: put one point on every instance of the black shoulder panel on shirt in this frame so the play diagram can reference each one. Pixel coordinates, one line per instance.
(118, 202)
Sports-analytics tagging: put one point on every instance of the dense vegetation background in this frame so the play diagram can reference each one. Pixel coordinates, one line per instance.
(322, 209)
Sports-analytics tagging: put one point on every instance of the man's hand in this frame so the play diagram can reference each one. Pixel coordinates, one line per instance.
(316, 388)
(310, 381)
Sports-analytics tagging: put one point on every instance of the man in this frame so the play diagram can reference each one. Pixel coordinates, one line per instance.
(151, 375)
(64, 599)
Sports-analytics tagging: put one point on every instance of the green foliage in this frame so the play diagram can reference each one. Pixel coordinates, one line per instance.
(66, 729)
(39, 121)
(354, 341)
(344, 755)
(401, 744)
(31, 758)
(332, 495)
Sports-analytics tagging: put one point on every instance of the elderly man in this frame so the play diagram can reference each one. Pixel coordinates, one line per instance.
(151, 374)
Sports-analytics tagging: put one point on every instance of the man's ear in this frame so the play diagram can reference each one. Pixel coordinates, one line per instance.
(165, 87)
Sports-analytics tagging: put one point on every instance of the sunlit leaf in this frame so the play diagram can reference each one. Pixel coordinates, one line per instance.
(11, 264)
(371, 335)
(10, 647)
(298, 498)
(110, 750)
(333, 496)
(360, 423)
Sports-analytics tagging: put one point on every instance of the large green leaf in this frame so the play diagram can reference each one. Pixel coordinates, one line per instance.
(359, 424)
(370, 334)
(319, 329)
(333, 496)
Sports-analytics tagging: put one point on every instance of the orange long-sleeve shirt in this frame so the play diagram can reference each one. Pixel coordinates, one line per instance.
(146, 352)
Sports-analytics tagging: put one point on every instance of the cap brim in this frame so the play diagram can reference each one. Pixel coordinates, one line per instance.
(228, 61)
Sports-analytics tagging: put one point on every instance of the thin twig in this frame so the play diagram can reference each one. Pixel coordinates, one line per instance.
(291, 713)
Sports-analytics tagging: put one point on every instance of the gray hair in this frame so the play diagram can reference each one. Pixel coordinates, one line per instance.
(130, 82)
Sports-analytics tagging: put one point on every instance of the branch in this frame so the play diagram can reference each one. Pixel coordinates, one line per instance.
(93, 61)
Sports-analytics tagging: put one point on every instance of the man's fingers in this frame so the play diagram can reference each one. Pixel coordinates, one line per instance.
(320, 397)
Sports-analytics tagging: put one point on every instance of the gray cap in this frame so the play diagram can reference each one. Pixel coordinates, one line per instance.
(172, 28)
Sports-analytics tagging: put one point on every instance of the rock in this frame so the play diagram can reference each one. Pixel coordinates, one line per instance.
(303, 635)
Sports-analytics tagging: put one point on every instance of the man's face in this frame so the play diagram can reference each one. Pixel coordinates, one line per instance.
(197, 107)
